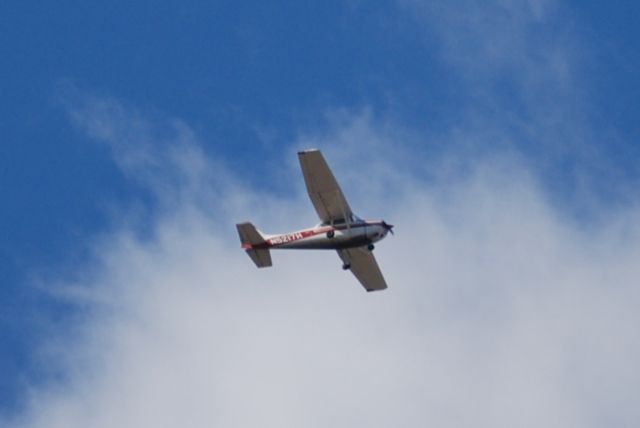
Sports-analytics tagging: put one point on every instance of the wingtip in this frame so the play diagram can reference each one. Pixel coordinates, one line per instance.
(306, 151)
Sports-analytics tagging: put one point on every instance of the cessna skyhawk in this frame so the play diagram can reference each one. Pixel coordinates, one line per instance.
(339, 229)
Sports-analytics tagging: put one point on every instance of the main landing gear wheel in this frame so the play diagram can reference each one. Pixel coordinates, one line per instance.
(370, 247)
(346, 266)
(330, 234)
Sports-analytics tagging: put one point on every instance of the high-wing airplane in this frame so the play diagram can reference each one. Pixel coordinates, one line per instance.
(339, 230)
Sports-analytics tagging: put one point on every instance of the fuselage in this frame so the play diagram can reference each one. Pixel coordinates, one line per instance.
(329, 237)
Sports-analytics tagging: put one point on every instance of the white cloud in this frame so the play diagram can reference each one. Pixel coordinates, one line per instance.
(517, 62)
(500, 312)
(509, 41)
(520, 80)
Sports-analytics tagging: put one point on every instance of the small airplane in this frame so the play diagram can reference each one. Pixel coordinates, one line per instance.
(339, 230)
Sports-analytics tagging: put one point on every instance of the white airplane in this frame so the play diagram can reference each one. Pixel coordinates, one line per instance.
(339, 229)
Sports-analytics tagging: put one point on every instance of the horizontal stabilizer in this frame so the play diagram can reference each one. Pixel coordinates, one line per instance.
(250, 237)
(261, 257)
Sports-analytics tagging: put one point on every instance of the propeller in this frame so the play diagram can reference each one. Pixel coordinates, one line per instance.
(388, 226)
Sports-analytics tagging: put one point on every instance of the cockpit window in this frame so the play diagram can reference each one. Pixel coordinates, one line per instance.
(353, 219)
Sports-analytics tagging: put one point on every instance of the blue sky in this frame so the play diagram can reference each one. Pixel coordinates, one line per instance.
(551, 87)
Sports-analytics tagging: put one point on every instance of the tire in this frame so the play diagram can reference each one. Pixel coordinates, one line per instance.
(346, 266)
(370, 247)
(330, 234)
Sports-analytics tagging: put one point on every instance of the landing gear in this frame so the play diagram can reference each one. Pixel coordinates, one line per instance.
(330, 234)
(346, 266)
(370, 247)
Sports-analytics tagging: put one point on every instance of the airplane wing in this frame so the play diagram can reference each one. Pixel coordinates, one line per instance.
(324, 191)
(364, 266)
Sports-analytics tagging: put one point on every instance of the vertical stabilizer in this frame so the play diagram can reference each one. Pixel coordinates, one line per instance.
(255, 244)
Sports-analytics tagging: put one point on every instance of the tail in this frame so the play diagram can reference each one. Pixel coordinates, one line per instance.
(255, 244)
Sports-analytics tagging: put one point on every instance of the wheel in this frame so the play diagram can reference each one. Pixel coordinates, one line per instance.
(330, 234)
(346, 266)
(370, 247)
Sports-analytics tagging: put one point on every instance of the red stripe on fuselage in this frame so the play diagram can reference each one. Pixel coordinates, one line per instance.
(296, 236)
